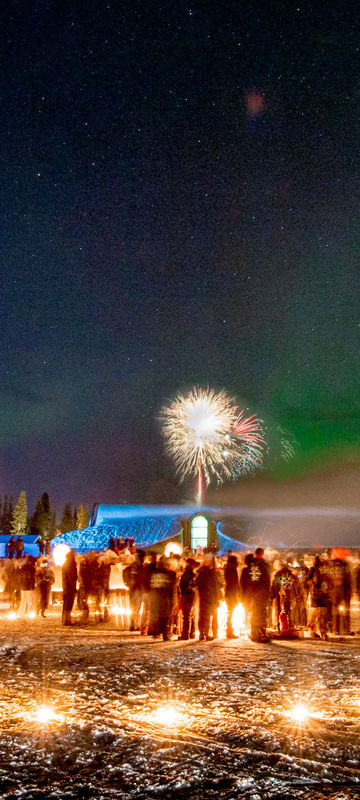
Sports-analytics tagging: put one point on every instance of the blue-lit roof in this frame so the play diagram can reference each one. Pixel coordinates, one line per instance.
(116, 514)
(145, 531)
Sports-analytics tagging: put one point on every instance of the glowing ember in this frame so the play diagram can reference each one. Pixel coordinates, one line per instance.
(32, 615)
(299, 713)
(12, 615)
(167, 715)
(46, 714)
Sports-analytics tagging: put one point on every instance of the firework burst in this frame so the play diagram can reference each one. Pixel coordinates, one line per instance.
(207, 436)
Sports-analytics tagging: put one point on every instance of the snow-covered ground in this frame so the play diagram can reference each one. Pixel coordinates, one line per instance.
(137, 718)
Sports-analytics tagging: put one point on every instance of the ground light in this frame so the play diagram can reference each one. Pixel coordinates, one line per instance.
(299, 713)
(45, 714)
(167, 715)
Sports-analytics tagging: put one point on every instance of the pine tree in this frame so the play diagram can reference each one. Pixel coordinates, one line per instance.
(83, 517)
(4, 514)
(19, 516)
(75, 520)
(52, 524)
(66, 519)
(40, 519)
(7, 515)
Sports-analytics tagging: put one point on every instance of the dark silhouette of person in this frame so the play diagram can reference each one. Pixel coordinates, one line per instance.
(231, 591)
(19, 545)
(69, 578)
(258, 589)
(11, 548)
(188, 599)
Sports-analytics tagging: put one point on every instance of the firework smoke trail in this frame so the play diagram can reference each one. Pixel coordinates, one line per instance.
(208, 437)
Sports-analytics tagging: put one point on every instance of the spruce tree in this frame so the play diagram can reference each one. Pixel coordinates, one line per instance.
(83, 517)
(4, 514)
(19, 516)
(66, 519)
(41, 516)
(7, 515)
(52, 525)
(75, 519)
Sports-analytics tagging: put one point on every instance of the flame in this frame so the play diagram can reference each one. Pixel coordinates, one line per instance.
(60, 552)
(173, 547)
(238, 620)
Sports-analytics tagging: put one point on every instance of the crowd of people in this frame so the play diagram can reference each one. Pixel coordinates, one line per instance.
(14, 547)
(180, 596)
(28, 584)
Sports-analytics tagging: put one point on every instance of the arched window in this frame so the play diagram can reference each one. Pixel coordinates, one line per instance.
(199, 532)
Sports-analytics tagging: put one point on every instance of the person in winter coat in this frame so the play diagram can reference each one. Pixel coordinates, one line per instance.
(84, 578)
(243, 584)
(188, 599)
(44, 578)
(320, 584)
(257, 593)
(69, 578)
(152, 616)
(357, 578)
(132, 577)
(209, 596)
(100, 580)
(232, 592)
(162, 591)
(341, 593)
(41, 545)
(15, 585)
(19, 546)
(27, 582)
(299, 608)
(11, 547)
(283, 594)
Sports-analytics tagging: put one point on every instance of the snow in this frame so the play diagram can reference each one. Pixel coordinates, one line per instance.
(235, 739)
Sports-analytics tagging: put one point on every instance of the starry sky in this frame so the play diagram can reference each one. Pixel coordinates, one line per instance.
(179, 205)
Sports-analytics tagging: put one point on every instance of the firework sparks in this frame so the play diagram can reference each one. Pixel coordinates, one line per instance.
(208, 437)
(280, 445)
(250, 442)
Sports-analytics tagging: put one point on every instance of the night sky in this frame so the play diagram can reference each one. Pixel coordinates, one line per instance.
(179, 204)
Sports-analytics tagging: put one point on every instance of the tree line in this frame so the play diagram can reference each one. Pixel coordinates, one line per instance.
(15, 520)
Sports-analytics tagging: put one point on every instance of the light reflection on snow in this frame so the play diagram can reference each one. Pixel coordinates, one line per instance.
(46, 714)
(299, 713)
(167, 715)
(157, 714)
